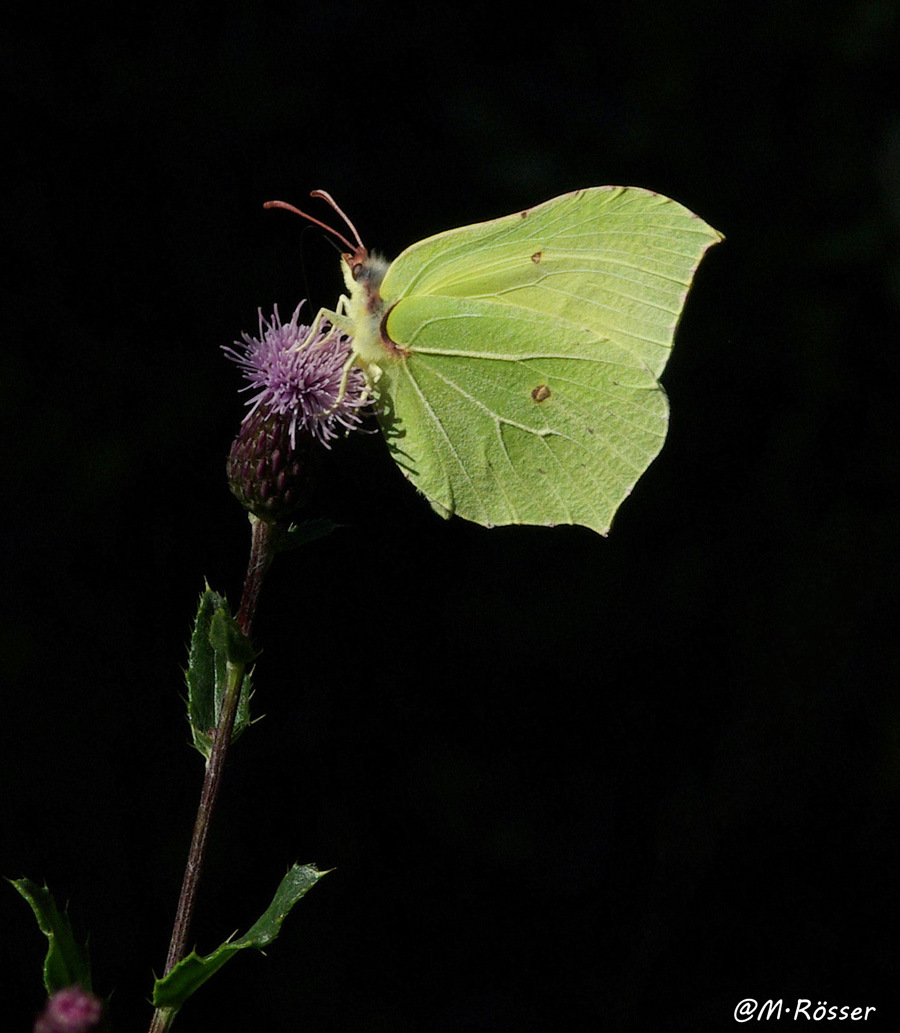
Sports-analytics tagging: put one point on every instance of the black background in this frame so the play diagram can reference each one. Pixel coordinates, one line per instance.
(565, 781)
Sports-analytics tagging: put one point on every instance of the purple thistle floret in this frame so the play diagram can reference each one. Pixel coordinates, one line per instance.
(298, 373)
(70, 1011)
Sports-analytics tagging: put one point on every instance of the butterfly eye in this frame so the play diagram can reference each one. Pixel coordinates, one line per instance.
(369, 271)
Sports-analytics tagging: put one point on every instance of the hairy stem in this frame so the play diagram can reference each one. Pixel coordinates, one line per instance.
(261, 553)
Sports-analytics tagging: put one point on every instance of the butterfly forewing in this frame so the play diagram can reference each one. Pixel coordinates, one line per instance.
(615, 260)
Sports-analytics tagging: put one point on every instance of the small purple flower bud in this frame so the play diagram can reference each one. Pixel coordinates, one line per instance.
(305, 396)
(270, 474)
(70, 1011)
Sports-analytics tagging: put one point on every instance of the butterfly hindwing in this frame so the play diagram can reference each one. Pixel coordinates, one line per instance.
(503, 414)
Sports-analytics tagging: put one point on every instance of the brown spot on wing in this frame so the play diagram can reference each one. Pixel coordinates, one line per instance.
(541, 393)
(536, 257)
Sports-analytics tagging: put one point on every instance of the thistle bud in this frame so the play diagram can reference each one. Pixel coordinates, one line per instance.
(307, 394)
(271, 474)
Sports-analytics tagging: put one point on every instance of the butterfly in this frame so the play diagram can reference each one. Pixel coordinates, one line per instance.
(516, 362)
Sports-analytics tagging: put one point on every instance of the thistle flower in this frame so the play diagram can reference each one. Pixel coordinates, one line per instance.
(305, 397)
(70, 1011)
(298, 373)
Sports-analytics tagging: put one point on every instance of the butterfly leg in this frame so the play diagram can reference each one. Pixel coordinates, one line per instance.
(337, 318)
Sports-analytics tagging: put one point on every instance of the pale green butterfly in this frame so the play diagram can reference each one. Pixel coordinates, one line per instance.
(516, 361)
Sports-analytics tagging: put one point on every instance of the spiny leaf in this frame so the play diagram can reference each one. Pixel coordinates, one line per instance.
(172, 990)
(305, 531)
(67, 962)
(216, 642)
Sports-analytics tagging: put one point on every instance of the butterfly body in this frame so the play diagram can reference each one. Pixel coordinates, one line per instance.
(363, 275)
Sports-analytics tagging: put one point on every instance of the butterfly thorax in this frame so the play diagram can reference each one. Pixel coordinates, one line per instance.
(363, 274)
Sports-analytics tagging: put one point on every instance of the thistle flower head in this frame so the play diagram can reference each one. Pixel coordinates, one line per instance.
(300, 374)
(305, 396)
(70, 1011)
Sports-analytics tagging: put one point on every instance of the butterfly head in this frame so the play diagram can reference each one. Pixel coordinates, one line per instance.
(363, 274)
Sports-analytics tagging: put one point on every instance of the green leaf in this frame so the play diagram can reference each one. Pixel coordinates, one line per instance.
(305, 531)
(172, 990)
(218, 647)
(67, 962)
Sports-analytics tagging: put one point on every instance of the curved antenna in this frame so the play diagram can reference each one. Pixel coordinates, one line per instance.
(317, 222)
(325, 197)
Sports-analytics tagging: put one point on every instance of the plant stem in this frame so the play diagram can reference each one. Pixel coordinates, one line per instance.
(262, 551)
(261, 554)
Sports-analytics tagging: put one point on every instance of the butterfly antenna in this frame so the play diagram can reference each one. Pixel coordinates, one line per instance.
(327, 197)
(329, 229)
